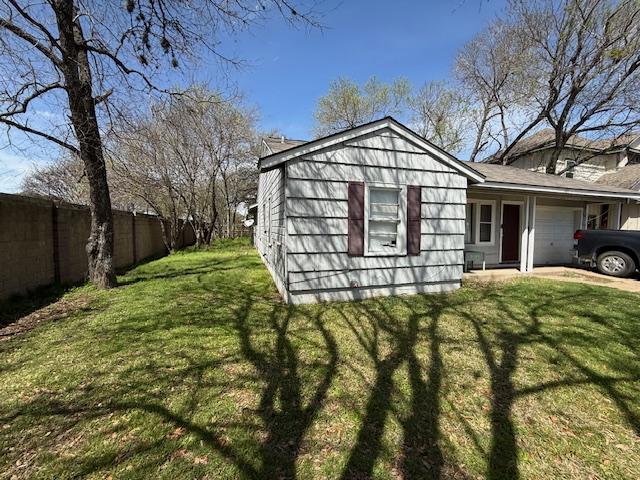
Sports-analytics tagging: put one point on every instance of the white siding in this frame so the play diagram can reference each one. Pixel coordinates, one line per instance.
(270, 235)
(590, 170)
(492, 252)
(318, 267)
(630, 219)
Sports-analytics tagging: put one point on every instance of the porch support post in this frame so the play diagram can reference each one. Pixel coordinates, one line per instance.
(586, 216)
(524, 240)
(619, 217)
(532, 233)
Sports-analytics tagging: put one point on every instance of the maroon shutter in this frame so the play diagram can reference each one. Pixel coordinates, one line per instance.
(356, 219)
(414, 199)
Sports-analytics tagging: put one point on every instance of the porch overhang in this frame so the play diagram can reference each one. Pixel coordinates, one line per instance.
(564, 192)
(533, 200)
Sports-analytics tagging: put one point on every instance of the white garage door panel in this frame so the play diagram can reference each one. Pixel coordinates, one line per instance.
(554, 235)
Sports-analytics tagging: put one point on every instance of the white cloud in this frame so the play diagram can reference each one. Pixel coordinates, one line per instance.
(13, 168)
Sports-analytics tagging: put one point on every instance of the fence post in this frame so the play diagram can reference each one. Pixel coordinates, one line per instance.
(133, 236)
(56, 242)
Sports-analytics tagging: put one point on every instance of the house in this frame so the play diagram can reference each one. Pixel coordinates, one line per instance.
(585, 159)
(378, 210)
(626, 177)
(582, 158)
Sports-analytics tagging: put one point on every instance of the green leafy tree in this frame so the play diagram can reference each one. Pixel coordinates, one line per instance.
(348, 104)
(441, 115)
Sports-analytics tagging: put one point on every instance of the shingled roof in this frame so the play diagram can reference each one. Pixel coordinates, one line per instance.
(626, 177)
(546, 138)
(277, 145)
(502, 174)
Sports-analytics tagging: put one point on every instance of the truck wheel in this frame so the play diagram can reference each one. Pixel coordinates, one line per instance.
(616, 264)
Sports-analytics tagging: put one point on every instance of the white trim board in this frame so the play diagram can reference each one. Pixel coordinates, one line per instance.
(567, 191)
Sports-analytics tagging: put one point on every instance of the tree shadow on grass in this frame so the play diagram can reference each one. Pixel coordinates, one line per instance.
(168, 272)
(500, 341)
(284, 412)
(393, 334)
(421, 454)
(20, 306)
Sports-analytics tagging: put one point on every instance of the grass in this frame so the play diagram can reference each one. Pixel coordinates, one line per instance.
(194, 369)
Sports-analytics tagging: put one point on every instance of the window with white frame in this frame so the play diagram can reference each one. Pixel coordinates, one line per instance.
(479, 222)
(385, 212)
(570, 166)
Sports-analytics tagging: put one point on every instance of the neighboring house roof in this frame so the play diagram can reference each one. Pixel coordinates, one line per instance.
(277, 158)
(277, 145)
(546, 138)
(512, 178)
(626, 177)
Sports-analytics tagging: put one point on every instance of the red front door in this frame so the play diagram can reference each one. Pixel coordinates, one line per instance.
(510, 233)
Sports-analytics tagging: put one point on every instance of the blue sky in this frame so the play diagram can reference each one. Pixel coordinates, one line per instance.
(290, 68)
(413, 39)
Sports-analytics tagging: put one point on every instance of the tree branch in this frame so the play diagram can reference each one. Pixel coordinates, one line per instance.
(33, 131)
(35, 23)
(17, 31)
(24, 104)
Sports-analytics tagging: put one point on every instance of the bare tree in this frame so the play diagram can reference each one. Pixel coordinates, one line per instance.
(64, 179)
(192, 160)
(492, 70)
(74, 55)
(441, 115)
(586, 78)
(348, 105)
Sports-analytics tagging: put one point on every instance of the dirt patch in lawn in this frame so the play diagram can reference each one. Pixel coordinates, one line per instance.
(587, 278)
(55, 311)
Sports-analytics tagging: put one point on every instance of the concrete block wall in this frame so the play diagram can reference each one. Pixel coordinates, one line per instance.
(26, 244)
(42, 242)
(123, 239)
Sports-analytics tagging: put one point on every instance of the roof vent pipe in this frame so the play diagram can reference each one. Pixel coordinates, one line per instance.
(282, 139)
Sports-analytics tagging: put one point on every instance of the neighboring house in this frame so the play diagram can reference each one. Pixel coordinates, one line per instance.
(626, 177)
(378, 210)
(588, 160)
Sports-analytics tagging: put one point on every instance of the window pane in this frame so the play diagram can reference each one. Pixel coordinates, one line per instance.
(570, 165)
(383, 195)
(485, 232)
(468, 224)
(383, 232)
(381, 244)
(485, 213)
(378, 227)
(383, 236)
(383, 210)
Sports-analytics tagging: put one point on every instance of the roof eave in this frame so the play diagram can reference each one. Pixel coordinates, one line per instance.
(559, 190)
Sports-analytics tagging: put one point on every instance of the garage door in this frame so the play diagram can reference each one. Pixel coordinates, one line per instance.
(554, 235)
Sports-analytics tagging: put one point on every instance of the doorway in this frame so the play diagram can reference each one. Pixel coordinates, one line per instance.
(510, 232)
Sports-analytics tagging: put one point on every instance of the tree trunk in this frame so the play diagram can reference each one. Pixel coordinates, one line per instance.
(556, 152)
(476, 145)
(553, 161)
(77, 74)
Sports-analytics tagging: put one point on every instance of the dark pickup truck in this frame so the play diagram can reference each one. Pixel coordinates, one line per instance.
(612, 252)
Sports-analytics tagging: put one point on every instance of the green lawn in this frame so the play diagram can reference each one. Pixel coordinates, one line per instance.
(194, 369)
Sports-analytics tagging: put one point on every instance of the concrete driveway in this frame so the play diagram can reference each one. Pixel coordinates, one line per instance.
(562, 274)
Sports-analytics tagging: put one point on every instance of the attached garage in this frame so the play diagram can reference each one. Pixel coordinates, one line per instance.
(554, 229)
